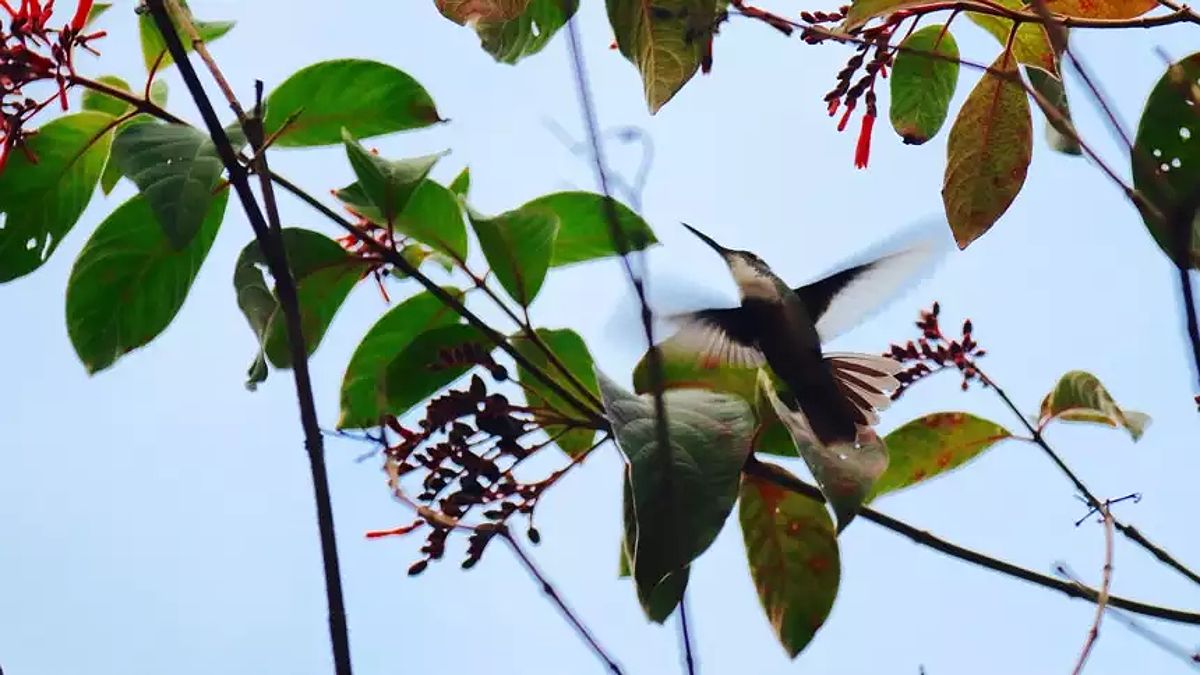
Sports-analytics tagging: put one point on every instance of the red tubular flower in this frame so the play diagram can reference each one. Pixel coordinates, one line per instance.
(81, 14)
(845, 116)
(863, 152)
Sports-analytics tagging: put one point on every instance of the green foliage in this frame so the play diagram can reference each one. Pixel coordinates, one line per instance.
(364, 397)
(428, 363)
(668, 41)
(922, 86)
(153, 47)
(130, 281)
(41, 201)
(1166, 164)
(512, 32)
(585, 233)
(1079, 397)
(518, 245)
(793, 554)
(574, 356)
(324, 274)
(387, 185)
(660, 602)
(988, 154)
(1031, 45)
(176, 167)
(432, 215)
(97, 9)
(367, 98)
(1057, 135)
(100, 102)
(932, 445)
(681, 497)
(462, 183)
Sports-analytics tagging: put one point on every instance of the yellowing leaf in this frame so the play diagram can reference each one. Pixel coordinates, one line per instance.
(1079, 397)
(1031, 45)
(935, 444)
(862, 11)
(988, 154)
(793, 554)
(666, 39)
(1101, 9)
(463, 11)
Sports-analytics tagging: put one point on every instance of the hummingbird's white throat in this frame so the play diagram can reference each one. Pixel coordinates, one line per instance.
(751, 282)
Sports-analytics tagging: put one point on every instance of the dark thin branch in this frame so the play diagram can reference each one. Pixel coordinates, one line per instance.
(554, 596)
(275, 255)
(924, 538)
(685, 637)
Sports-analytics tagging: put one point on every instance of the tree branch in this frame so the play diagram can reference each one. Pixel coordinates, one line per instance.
(1102, 597)
(275, 255)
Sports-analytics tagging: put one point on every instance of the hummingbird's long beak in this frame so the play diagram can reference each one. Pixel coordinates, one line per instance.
(707, 239)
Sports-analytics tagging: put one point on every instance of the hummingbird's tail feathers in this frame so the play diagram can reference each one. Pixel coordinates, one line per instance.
(867, 382)
(842, 300)
(717, 337)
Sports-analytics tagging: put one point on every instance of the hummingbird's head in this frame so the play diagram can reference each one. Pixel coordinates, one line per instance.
(753, 277)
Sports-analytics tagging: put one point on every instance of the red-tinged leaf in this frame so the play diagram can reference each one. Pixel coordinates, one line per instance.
(462, 11)
(1166, 163)
(1031, 45)
(988, 154)
(1101, 9)
(922, 86)
(1080, 397)
(793, 554)
(933, 445)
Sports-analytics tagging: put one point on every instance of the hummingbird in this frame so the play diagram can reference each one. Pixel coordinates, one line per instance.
(837, 395)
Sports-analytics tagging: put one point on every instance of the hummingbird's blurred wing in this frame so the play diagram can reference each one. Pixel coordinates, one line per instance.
(718, 337)
(866, 381)
(842, 300)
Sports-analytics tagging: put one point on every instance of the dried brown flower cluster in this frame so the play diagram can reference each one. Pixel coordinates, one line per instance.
(933, 352)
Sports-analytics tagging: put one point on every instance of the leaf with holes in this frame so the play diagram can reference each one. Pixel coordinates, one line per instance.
(584, 232)
(922, 86)
(794, 560)
(154, 48)
(1079, 397)
(41, 201)
(1058, 135)
(510, 37)
(987, 154)
(364, 386)
(432, 214)
(574, 356)
(430, 362)
(846, 472)
(668, 41)
(932, 445)
(367, 98)
(129, 281)
(681, 496)
(324, 274)
(1101, 9)
(176, 167)
(518, 245)
(1166, 163)
(1031, 45)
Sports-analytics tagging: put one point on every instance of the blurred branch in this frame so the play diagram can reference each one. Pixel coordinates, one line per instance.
(1102, 597)
(685, 637)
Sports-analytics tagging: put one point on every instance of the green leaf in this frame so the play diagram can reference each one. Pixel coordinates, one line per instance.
(584, 232)
(324, 274)
(100, 102)
(1055, 93)
(1031, 45)
(660, 601)
(573, 354)
(518, 246)
(176, 167)
(680, 497)
(432, 215)
(40, 202)
(97, 9)
(1166, 164)
(129, 281)
(366, 97)
(793, 554)
(511, 40)
(1079, 397)
(923, 86)
(364, 386)
(987, 154)
(932, 445)
(667, 40)
(462, 183)
(386, 184)
(845, 473)
(426, 364)
(153, 45)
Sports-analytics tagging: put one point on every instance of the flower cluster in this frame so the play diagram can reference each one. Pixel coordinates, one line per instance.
(375, 266)
(933, 352)
(847, 92)
(31, 51)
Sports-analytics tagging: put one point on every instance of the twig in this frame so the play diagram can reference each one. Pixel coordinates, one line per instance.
(202, 51)
(755, 468)
(554, 596)
(276, 257)
(1102, 597)
(685, 637)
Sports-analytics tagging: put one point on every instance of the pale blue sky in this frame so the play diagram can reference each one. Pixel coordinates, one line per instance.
(158, 518)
